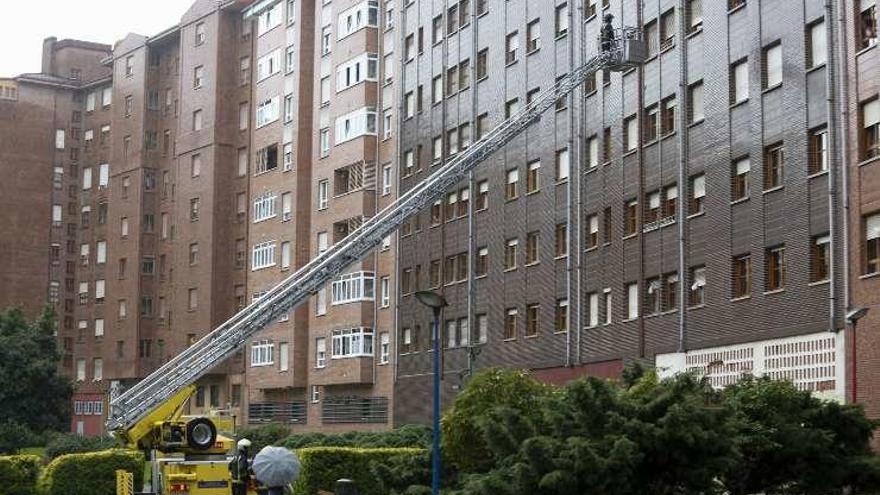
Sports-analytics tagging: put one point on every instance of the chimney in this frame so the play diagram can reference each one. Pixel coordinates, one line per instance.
(49, 55)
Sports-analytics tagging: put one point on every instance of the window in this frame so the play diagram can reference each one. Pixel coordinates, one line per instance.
(352, 342)
(561, 20)
(696, 295)
(511, 107)
(870, 138)
(694, 15)
(320, 352)
(866, 28)
(817, 160)
(385, 290)
(481, 264)
(632, 218)
(670, 201)
(533, 36)
(741, 276)
(265, 207)
(193, 299)
(771, 69)
(609, 307)
(263, 255)
(364, 67)
(511, 190)
(288, 156)
(262, 353)
(734, 4)
(667, 29)
(355, 124)
(198, 77)
(353, 287)
(698, 194)
(820, 258)
(632, 301)
(739, 82)
(406, 341)
(562, 164)
(817, 51)
(106, 97)
(325, 40)
(483, 64)
(774, 166)
(872, 243)
(653, 296)
(244, 70)
(774, 268)
(193, 253)
(631, 133)
(532, 247)
(362, 15)
(129, 65)
(243, 159)
(695, 103)
(652, 37)
(651, 124)
(288, 108)
(510, 323)
(289, 59)
(285, 255)
(561, 240)
(409, 48)
(197, 121)
(384, 348)
(592, 152)
(267, 159)
(269, 19)
(482, 199)
(740, 179)
(533, 177)
(652, 212)
(532, 313)
(510, 254)
(511, 47)
(387, 124)
(592, 240)
(267, 111)
(325, 142)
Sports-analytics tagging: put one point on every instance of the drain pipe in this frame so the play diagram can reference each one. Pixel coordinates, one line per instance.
(683, 185)
(572, 266)
(833, 162)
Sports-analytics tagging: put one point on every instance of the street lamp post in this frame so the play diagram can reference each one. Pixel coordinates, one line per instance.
(436, 302)
(852, 317)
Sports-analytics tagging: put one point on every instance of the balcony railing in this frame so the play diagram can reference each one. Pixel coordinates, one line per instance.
(355, 410)
(277, 412)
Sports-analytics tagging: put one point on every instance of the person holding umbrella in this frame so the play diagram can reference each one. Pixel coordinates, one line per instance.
(276, 468)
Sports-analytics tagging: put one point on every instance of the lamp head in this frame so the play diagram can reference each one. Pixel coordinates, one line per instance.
(856, 314)
(431, 299)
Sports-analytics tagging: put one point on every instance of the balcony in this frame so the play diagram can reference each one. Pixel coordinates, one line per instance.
(354, 287)
(354, 409)
(277, 412)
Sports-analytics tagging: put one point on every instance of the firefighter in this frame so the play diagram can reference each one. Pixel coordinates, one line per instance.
(608, 33)
(239, 468)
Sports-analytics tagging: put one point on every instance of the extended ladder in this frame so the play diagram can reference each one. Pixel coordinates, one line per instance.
(218, 345)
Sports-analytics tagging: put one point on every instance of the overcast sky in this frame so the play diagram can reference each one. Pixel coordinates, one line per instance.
(24, 24)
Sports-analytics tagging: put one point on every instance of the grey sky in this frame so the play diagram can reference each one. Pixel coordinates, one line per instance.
(103, 21)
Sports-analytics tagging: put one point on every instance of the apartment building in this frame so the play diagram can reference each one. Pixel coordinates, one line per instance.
(680, 211)
(861, 156)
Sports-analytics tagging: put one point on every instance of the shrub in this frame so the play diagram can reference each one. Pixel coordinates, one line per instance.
(323, 466)
(92, 473)
(404, 436)
(69, 443)
(18, 474)
(261, 436)
(14, 436)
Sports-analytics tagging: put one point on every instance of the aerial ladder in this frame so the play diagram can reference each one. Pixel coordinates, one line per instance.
(147, 416)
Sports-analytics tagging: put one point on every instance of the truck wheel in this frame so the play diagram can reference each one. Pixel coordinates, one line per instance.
(201, 433)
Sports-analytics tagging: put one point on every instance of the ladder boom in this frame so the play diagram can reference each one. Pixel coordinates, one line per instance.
(137, 402)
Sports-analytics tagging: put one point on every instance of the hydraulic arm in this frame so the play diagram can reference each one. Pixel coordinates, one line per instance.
(137, 403)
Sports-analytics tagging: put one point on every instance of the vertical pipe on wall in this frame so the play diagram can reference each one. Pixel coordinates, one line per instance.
(833, 162)
(683, 184)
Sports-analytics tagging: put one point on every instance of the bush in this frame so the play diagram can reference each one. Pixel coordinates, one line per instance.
(405, 436)
(323, 466)
(261, 436)
(92, 473)
(69, 443)
(14, 436)
(18, 474)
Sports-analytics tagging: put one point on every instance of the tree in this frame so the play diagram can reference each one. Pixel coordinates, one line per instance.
(792, 442)
(463, 443)
(34, 397)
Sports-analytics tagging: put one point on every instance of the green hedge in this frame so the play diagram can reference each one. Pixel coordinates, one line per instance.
(71, 443)
(91, 473)
(403, 436)
(322, 466)
(19, 474)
